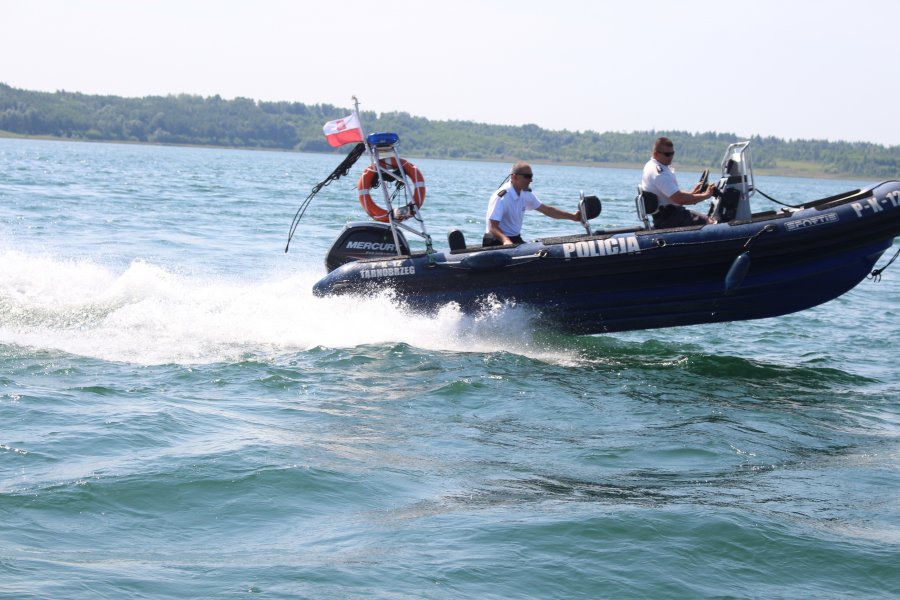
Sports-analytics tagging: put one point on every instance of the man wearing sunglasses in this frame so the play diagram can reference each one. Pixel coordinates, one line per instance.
(659, 178)
(507, 206)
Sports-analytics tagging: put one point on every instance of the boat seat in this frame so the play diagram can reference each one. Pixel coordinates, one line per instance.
(456, 240)
(589, 207)
(647, 205)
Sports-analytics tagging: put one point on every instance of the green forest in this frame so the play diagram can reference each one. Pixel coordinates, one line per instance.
(246, 123)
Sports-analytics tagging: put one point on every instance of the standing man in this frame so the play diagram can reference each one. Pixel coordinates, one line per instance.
(506, 208)
(659, 178)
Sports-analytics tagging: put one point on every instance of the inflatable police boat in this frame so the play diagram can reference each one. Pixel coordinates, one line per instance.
(745, 266)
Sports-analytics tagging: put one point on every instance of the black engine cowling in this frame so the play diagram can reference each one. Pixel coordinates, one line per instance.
(364, 240)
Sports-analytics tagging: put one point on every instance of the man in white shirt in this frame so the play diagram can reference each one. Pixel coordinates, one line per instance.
(659, 178)
(507, 206)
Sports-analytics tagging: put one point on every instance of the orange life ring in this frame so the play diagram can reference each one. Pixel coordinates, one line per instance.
(367, 182)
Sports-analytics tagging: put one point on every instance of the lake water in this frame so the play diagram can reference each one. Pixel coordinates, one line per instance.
(181, 418)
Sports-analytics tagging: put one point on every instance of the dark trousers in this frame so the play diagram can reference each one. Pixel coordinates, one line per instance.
(674, 215)
(490, 240)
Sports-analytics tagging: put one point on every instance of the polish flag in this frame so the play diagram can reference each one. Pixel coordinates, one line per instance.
(343, 131)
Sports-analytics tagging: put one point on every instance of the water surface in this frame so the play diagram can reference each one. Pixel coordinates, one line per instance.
(182, 418)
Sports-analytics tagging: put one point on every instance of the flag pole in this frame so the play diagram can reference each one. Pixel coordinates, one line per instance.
(362, 130)
(373, 158)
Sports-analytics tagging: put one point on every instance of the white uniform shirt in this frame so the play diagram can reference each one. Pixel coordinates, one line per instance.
(659, 179)
(509, 209)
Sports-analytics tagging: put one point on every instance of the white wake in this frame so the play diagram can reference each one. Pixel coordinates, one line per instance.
(148, 315)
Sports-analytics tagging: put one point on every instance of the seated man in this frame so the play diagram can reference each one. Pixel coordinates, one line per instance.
(659, 178)
(507, 206)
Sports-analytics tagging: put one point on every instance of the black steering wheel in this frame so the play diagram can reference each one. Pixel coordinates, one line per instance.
(704, 181)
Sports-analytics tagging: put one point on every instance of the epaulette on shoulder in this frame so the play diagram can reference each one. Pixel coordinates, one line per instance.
(659, 169)
(501, 193)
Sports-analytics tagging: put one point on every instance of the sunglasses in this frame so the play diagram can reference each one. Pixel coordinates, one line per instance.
(669, 154)
(525, 175)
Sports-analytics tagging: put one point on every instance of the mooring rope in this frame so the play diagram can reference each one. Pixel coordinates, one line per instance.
(765, 195)
(875, 275)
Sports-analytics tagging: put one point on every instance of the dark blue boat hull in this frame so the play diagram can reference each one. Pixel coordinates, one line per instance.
(774, 264)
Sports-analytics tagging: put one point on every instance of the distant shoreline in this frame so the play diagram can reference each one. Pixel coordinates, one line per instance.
(799, 169)
(195, 121)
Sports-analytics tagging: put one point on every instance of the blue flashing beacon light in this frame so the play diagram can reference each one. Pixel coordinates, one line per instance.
(382, 139)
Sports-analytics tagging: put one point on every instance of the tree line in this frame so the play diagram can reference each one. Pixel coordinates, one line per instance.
(246, 123)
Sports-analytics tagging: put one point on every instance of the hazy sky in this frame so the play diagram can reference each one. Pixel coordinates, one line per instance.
(822, 69)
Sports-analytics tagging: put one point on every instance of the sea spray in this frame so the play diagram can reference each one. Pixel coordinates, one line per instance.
(148, 315)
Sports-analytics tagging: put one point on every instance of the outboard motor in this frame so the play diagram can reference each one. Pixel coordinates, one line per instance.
(364, 240)
(736, 185)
